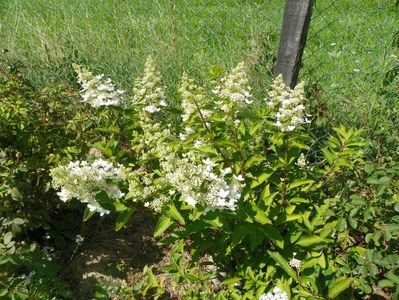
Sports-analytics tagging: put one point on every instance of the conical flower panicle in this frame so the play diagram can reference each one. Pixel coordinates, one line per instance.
(96, 90)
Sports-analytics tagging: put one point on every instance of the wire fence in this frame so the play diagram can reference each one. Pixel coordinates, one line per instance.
(349, 47)
(348, 50)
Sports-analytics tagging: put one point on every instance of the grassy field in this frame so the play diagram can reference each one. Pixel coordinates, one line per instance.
(348, 48)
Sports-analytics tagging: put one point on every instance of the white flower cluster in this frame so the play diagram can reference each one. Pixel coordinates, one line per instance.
(291, 111)
(148, 188)
(83, 180)
(147, 90)
(234, 89)
(295, 263)
(302, 162)
(199, 183)
(193, 98)
(96, 90)
(277, 294)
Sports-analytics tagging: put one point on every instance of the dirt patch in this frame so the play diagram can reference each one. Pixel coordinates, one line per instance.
(112, 256)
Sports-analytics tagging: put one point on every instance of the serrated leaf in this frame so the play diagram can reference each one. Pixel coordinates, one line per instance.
(163, 224)
(283, 264)
(338, 286)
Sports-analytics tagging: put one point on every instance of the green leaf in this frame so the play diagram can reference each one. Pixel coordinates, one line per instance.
(338, 286)
(260, 215)
(105, 201)
(385, 283)
(4, 260)
(328, 155)
(308, 241)
(261, 179)
(253, 160)
(88, 214)
(172, 211)
(3, 292)
(225, 143)
(283, 264)
(7, 237)
(123, 218)
(274, 235)
(240, 232)
(215, 223)
(254, 129)
(163, 224)
(232, 280)
(300, 182)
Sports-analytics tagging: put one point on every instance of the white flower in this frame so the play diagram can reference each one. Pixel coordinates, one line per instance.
(277, 294)
(239, 177)
(190, 200)
(302, 162)
(209, 162)
(192, 96)
(64, 195)
(79, 239)
(182, 136)
(289, 102)
(236, 122)
(224, 172)
(198, 143)
(151, 109)
(233, 89)
(95, 90)
(199, 183)
(295, 263)
(83, 180)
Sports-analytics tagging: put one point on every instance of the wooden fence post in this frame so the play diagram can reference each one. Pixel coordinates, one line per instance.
(297, 14)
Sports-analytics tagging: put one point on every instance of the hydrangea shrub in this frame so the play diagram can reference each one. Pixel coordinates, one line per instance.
(233, 178)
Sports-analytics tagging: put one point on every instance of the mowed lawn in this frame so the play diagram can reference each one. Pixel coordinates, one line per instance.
(348, 48)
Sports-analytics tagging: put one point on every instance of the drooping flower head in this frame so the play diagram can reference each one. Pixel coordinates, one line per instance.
(96, 90)
(83, 180)
(289, 103)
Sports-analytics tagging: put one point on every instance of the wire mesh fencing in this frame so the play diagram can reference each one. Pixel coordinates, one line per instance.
(348, 47)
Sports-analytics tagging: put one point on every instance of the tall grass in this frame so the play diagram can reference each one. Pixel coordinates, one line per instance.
(347, 51)
(115, 37)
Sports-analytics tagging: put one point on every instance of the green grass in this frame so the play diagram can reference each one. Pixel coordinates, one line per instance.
(347, 51)
(115, 37)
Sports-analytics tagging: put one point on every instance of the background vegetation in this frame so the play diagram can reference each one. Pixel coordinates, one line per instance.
(350, 66)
